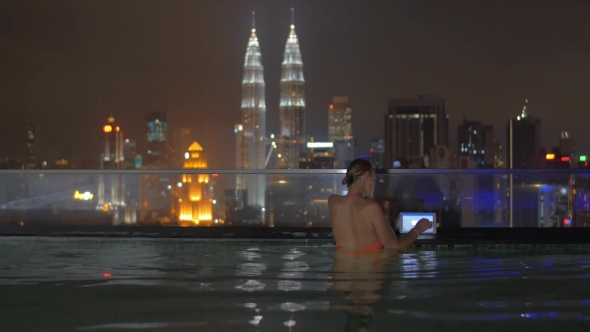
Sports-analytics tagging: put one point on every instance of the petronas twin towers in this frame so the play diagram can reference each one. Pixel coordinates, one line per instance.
(251, 140)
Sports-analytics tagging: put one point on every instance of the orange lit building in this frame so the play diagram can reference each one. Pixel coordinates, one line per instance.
(193, 195)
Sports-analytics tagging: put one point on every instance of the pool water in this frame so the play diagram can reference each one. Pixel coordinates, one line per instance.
(175, 285)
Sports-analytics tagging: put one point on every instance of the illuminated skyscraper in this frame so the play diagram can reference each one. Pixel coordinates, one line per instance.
(193, 194)
(292, 104)
(32, 153)
(111, 188)
(157, 138)
(251, 140)
(339, 120)
(523, 140)
(477, 141)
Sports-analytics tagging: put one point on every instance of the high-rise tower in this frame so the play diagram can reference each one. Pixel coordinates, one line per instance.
(292, 106)
(250, 148)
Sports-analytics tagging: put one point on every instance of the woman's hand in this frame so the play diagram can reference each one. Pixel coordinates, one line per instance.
(423, 225)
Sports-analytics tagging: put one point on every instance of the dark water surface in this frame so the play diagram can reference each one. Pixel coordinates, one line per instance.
(155, 285)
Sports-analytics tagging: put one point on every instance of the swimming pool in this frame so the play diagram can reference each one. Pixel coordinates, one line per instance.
(64, 284)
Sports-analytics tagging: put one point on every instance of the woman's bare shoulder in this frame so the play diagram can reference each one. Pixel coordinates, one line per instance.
(334, 198)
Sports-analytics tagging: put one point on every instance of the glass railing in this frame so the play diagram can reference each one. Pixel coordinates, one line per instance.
(289, 198)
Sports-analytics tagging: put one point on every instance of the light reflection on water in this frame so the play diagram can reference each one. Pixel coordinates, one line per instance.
(167, 285)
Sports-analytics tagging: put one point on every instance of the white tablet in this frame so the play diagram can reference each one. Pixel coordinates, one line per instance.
(409, 219)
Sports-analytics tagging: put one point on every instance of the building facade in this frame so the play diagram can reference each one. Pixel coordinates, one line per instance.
(477, 141)
(157, 139)
(251, 132)
(413, 127)
(523, 140)
(340, 120)
(291, 142)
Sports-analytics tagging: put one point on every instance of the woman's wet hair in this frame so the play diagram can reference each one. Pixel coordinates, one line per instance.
(356, 170)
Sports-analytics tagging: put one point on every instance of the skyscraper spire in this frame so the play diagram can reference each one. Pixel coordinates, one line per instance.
(250, 154)
(292, 104)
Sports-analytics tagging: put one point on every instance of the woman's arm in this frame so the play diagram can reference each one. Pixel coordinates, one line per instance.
(385, 232)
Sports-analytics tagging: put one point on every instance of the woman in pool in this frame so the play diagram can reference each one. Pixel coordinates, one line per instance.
(359, 223)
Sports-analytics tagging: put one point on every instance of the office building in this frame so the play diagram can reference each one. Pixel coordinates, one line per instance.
(157, 139)
(339, 120)
(345, 152)
(377, 153)
(567, 145)
(130, 156)
(476, 140)
(413, 127)
(291, 142)
(523, 140)
(33, 148)
(111, 187)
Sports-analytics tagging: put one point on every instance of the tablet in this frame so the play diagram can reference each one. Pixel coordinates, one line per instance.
(409, 219)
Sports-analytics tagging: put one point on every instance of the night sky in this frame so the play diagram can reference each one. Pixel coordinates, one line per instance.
(70, 64)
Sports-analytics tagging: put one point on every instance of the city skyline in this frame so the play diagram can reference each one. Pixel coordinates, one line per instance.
(95, 73)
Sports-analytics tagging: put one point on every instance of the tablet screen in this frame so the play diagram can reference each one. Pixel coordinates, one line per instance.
(409, 220)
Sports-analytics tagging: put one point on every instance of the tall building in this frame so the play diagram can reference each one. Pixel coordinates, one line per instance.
(377, 153)
(251, 145)
(193, 203)
(567, 145)
(476, 140)
(111, 188)
(339, 120)
(32, 159)
(413, 127)
(157, 138)
(182, 138)
(292, 105)
(111, 156)
(523, 140)
(345, 152)
(130, 156)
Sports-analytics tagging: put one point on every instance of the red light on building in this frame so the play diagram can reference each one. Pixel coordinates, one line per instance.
(214, 175)
(567, 222)
(586, 164)
(550, 156)
(371, 150)
(565, 159)
(331, 107)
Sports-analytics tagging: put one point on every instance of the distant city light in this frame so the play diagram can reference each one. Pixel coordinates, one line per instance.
(331, 107)
(313, 145)
(214, 202)
(107, 129)
(583, 158)
(565, 159)
(187, 155)
(550, 156)
(86, 196)
(272, 136)
(117, 128)
(179, 184)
